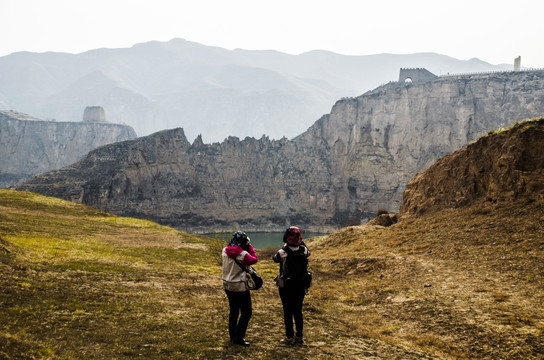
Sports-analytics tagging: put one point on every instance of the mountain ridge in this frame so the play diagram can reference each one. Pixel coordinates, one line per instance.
(158, 85)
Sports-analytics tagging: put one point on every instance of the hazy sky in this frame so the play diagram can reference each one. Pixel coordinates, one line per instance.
(494, 31)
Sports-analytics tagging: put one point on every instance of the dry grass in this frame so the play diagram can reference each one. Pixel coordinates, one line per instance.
(80, 284)
(463, 284)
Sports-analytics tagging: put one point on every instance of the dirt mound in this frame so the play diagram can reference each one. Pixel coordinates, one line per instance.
(384, 220)
(504, 165)
(463, 283)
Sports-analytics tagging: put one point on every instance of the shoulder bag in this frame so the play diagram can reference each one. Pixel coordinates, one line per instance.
(254, 281)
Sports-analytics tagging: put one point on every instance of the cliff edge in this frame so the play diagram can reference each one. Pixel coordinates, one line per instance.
(30, 146)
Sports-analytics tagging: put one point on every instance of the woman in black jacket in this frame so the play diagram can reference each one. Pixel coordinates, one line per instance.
(292, 282)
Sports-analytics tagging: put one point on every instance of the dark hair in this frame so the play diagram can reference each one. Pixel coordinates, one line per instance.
(239, 238)
(292, 236)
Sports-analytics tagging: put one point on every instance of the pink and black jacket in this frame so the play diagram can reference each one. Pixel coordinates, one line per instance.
(234, 278)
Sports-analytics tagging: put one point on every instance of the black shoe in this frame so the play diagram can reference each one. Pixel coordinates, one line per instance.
(287, 341)
(240, 342)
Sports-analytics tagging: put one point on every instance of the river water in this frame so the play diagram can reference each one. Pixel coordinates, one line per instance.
(261, 240)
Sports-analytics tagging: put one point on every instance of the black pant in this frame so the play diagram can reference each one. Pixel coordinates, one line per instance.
(292, 296)
(239, 302)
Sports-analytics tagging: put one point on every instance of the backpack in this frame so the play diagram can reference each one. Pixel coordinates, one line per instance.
(296, 266)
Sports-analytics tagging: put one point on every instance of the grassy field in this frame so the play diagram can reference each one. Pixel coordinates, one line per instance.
(460, 284)
(77, 283)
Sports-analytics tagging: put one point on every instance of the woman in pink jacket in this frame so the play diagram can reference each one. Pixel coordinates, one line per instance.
(235, 285)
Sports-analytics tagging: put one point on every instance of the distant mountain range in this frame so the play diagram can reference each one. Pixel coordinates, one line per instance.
(205, 90)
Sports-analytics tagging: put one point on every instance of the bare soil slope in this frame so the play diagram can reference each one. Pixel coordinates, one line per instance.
(506, 165)
(463, 283)
(461, 275)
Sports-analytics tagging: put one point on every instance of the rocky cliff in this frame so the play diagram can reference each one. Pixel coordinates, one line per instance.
(380, 140)
(349, 164)
(258, 184)
(505, 165)
(30, 146)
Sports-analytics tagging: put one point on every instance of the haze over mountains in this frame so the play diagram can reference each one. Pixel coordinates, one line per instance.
(205, 90)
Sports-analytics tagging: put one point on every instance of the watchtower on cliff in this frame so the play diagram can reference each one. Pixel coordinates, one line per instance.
(417, 75)
(517, 63)
(94, 114)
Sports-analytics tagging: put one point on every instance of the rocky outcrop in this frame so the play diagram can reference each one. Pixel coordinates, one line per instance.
(505, 165)
(349, 164)
(30, 146)
(258, 184)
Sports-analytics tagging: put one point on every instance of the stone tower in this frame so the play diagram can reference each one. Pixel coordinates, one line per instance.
(417, 75)
(94, 114)
(517, 63)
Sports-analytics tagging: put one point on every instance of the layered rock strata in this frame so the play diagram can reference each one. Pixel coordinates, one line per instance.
(349, 164)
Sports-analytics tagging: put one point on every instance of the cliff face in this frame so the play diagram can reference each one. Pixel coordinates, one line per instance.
(260, 184)
(503, 166)
(31, 146)
(349, 164)
(380, 140)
